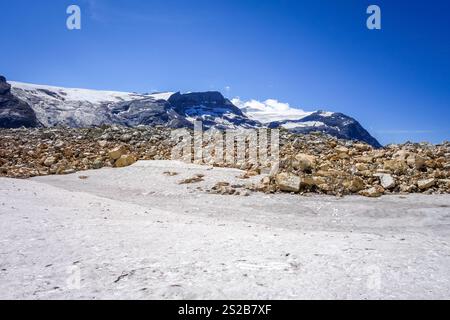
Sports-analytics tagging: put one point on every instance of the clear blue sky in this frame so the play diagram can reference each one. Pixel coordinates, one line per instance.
(312, 54)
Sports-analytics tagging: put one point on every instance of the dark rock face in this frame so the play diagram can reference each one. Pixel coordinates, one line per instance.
(14, 113)
(212, 109)
(148, 112)
(337, 124)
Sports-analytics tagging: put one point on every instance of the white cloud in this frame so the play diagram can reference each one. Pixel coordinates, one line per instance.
(269, 110)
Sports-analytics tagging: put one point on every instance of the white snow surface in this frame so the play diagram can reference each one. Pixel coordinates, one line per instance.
(326, 113)
(135, 233)
(76, 94)
(162, 95)
(293, 125)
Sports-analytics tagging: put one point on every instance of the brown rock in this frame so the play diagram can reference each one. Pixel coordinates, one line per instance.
(304, 161)
(125, 161)
(416, 161)
(49, 161)
(355, 184)
(395, 166)
(426, 183)
(373, 192)
(116, 153)
(194, 179)
(288, 182)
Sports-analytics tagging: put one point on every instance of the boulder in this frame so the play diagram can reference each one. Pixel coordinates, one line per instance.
(426, 183)
(386, 180)
(304, 161)
(416, 161)
(288, 182)
(125, 161)
(395, 165)
(373, 192)
(341, 149)
(354, 184)
(401, 154)
(49, 161)
(116, 153)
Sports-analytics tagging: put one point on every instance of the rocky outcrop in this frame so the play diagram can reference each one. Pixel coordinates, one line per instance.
(14, 113)
(149, 112)
(212, 109)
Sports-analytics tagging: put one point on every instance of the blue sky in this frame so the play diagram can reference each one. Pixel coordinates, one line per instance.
(312, 54)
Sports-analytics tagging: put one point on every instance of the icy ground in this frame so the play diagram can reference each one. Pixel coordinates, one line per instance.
(136, 233)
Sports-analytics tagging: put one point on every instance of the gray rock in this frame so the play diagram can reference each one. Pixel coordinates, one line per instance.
(387, 181)
(14, 113)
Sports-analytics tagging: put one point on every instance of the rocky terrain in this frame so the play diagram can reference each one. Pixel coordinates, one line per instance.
(309, 163)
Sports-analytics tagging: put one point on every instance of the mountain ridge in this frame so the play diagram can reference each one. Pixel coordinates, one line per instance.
(74, 107)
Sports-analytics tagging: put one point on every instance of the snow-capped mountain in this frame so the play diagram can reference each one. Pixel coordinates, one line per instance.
(32, 105)
(275, 114)
(333, 123)
(83, 107)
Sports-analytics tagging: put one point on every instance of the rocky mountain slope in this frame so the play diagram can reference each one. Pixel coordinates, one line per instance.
(56, 106)
(14, 113)
(212, 109)
(336, 124)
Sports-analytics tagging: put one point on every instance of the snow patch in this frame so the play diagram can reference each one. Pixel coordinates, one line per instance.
(293, 125)
(326, 113)
(76, 94)
(162, 95)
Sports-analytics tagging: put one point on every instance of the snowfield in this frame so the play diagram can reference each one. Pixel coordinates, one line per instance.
(136, 233)
(75, 94)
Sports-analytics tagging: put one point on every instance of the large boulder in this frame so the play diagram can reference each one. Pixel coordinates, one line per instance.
(116, 153)
(386, 180)
(304, 162)
(125, 161)
(288, 182)
(426, 183)
(14, 113)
